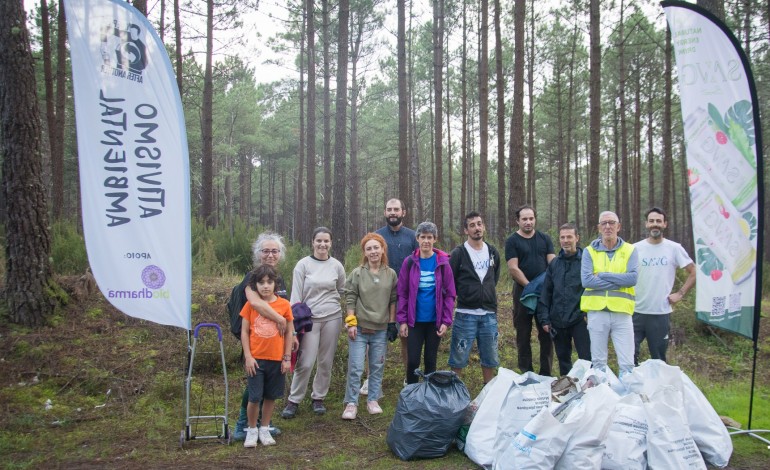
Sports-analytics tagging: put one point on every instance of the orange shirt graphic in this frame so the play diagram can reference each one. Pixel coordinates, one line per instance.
(264, 340)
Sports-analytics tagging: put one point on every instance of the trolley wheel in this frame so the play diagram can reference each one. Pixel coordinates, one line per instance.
(181, 439)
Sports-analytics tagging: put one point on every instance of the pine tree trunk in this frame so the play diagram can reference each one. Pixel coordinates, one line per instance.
(595, 91)
(500, 89)
(312, 201)
(484, 109)
(28, 243)
(516, 194)
(339, 215)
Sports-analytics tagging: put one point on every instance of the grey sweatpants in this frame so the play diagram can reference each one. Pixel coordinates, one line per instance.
(320, 344)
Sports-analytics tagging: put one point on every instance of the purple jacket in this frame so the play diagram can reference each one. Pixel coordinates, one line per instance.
(408, 284)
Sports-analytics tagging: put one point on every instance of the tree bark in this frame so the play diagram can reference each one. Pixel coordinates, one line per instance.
(500, 89)
(28, 242)
(327, 135)
(339, 215)
(207, 158)
(595, 90)
(484, 108)
(178, 48)
(438, 116)
(404, 192)
(312, 205)
(516, 194)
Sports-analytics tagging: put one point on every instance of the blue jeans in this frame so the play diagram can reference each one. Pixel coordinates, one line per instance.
(378, 348)
(465, 329)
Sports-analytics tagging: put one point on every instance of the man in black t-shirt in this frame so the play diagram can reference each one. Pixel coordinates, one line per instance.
(527, 253)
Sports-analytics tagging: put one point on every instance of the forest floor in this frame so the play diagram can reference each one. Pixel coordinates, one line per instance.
(98, 389)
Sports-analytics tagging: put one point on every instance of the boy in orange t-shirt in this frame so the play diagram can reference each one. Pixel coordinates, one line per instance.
(267, 355)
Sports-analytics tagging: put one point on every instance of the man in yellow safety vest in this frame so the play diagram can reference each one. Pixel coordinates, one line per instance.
(609, 273)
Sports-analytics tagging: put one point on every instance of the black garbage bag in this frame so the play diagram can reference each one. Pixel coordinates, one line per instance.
(428, 416)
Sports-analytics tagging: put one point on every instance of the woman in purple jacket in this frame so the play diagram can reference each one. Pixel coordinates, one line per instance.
(426, 299)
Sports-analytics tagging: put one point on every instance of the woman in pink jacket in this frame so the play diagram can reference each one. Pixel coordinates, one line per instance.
(426, 299)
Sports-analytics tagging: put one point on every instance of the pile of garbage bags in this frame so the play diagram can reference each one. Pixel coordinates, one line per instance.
(655, 417)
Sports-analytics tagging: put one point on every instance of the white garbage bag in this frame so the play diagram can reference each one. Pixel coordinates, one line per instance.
(480, 441)
(585, 448)
(708, 431)
(625, 447)
(529, 394)
(669, 441)
(541, 442)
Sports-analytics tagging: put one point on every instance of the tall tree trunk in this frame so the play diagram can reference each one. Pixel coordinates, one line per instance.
(207, 160)
(625, 189)
(500, 88)
(464, 112)
(516, 194)
(327, 135)
(178, 42)
(530, 189)
(27, 240)
(668, 158)
(244, 183)
(404, 192)
(300, 221)
(312, 205)
(162, 26)
(50, 115)
(448, 114)
(355, 226)
(637, 171)
(339, 215)
(595, 91)
(484, 108)
(57, 156)
(650, 145)
(438, 116)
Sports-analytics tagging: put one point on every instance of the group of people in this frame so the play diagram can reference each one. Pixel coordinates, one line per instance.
(406, 288)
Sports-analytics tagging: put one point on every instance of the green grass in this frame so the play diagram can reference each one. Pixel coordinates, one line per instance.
(143, 366)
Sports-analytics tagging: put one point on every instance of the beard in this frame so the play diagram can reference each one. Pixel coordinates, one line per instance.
(656, 233)
(394, 221)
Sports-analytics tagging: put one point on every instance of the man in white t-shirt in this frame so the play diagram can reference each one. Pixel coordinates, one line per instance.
(476, 269)
(659, 259)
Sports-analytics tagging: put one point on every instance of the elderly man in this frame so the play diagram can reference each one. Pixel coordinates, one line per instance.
(609, 269)
(659, 259)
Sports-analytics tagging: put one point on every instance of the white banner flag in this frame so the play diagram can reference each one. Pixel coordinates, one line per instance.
(721, 129)
(134, 165)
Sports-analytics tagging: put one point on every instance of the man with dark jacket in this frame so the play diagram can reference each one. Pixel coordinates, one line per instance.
(476, 269)
(558, 310)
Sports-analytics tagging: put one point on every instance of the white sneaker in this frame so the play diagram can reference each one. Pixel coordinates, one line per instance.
(264, 436)
(350, 411)
(373, 407)
(364, 388)
(251, 437)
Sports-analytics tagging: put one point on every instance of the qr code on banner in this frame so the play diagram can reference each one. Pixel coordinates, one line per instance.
(718, 306)
(735, 302)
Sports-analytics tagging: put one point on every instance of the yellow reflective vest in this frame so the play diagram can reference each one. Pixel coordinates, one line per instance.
(619, 300)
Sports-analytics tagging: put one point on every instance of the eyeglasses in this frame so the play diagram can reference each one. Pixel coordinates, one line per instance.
(273, 252)
(611, 223)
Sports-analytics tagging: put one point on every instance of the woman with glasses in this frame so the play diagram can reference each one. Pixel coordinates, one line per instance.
(318, 281)
(268, 249)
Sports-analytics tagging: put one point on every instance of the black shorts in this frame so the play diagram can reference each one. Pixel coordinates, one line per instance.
(267, 383)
